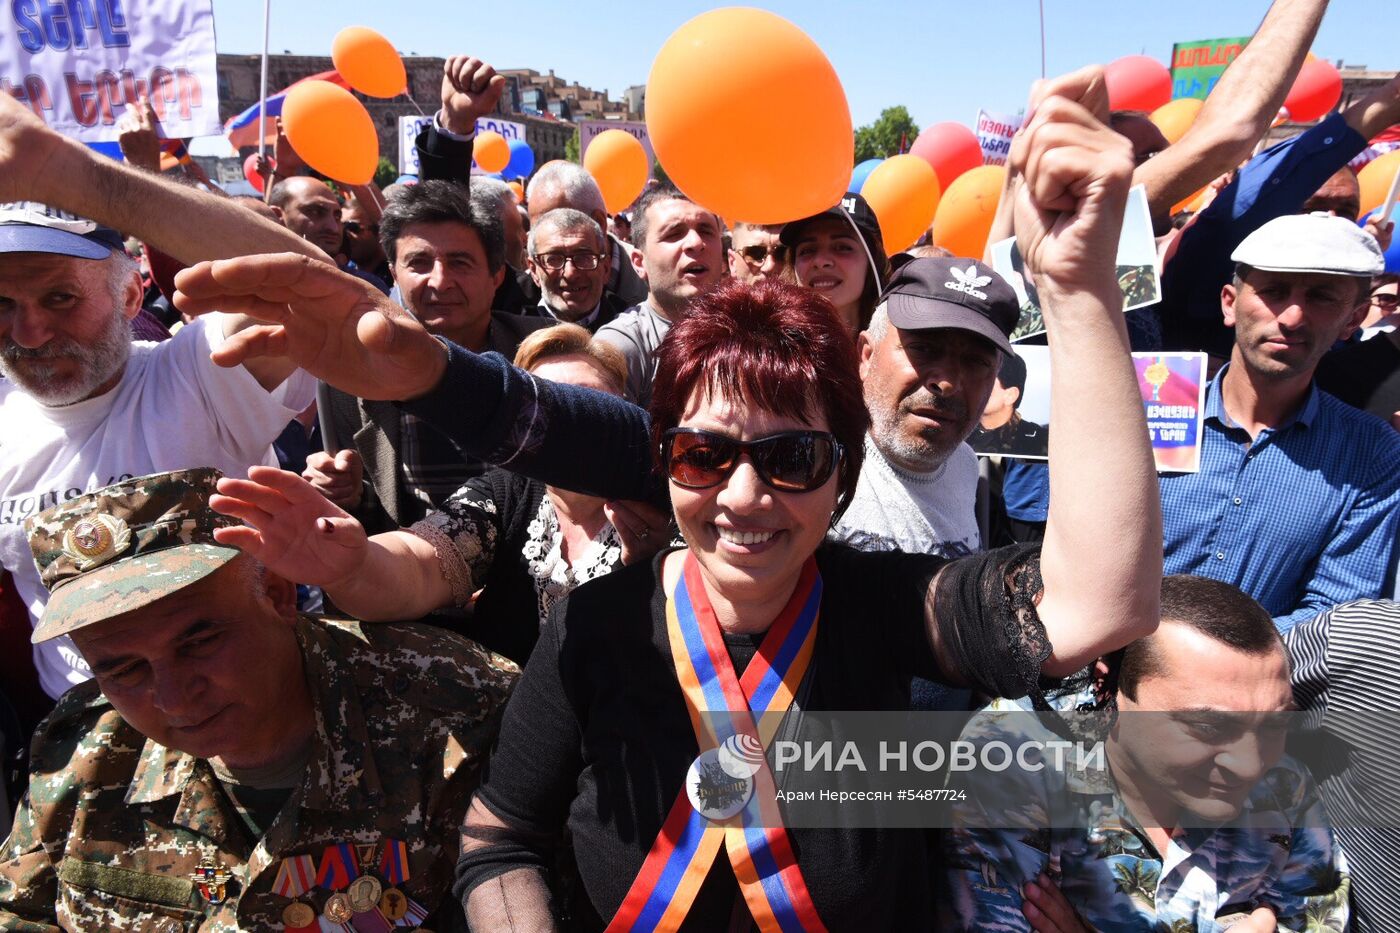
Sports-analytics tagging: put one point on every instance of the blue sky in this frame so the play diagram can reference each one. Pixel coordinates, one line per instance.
(942, 60)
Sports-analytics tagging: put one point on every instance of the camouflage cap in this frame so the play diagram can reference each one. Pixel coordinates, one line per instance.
(125, 546)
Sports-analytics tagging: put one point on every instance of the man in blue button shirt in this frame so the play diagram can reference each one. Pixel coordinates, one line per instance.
(1296, 500)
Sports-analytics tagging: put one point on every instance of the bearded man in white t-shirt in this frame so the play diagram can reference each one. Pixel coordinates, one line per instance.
(928, 361)
(81, 405)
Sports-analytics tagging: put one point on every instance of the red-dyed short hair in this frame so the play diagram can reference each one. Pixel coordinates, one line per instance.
(778, 346)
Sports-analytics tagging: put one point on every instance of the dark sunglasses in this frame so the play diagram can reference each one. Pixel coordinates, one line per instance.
(794, 461)
(354, 227)
(755, 254)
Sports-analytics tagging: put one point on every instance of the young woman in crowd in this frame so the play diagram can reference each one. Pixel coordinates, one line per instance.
(840, 255)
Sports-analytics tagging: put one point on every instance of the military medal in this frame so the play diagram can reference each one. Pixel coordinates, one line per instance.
(714, 792)
(364, 893)
(298, 916)
(339, 866)
(211, 880)
(337, 909)
(393, 905)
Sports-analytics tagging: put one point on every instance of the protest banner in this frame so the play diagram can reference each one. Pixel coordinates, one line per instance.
(1196, 66)
(588, 130)
(81, 63)
(994, 132)
(1139, 274)
(410, 127)
(1173, 386)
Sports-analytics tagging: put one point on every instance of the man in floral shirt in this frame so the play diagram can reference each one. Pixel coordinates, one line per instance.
(1192, 820)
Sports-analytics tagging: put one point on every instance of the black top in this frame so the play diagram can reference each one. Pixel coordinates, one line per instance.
(1365, 375)
(597, 734)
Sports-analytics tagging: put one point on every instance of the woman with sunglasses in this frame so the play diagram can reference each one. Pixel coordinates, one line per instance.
(604, 728)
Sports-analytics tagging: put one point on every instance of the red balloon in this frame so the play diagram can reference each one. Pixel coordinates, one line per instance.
(950, 148)
(250, 170)
(1315, 92)
(1137, 82)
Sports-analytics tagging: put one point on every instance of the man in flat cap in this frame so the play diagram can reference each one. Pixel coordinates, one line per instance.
(1298, 498)
(233, 766)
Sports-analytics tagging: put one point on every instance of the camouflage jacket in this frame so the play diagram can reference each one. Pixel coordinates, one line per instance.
(114, 824)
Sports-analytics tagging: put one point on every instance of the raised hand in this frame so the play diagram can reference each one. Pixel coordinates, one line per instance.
(26, 147)
(139, 136)
(296, 532)
(641, 529)
(333, 325)
(1074, 173)
(470, 89)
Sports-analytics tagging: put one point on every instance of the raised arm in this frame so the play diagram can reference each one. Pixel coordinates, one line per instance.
(1239, 110)
(1101, 561)
(37, 164)
(346, 333)
(470, 89)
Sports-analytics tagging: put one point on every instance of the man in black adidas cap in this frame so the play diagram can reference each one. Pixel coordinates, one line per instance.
(929, 360)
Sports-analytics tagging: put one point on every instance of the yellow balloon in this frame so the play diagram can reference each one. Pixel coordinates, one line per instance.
(1175, 118)
(965, 212)
(491, 151)
(726, 141)
(1375, 177)
(331, 131)
(618, 163)
(903, 192)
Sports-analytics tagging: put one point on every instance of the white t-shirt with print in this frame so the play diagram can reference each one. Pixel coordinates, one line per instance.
(173, 410)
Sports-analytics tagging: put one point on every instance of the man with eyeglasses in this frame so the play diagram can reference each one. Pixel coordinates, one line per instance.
(362, 244)
(756, 253)
(568, 259)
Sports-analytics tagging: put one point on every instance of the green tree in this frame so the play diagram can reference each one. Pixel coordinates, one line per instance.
(659, 173)
(386, 173)
(571, 149)
(881, 139)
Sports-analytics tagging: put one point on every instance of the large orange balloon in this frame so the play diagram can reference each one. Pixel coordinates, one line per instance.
(491, 151)
(721, 137)
(1175, 118)
(618, 163)
(331, 131)
(903, 192)
(965, 212)
(1375, 177)
(1315, 91)
(368, 61)
(1137, 82)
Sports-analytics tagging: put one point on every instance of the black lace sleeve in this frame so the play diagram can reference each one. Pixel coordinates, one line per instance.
(988, 625)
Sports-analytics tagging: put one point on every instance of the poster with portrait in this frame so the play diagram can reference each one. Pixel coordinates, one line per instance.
(1016, 421)
(1139, 274)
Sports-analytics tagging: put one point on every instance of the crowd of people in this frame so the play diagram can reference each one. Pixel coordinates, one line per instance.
(415, 558)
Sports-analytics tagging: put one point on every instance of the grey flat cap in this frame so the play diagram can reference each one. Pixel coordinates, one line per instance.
(1316, 242)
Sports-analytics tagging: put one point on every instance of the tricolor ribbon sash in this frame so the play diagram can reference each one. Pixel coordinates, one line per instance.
(339, 866)
(393, 864)
(295, 876)
(722, 706)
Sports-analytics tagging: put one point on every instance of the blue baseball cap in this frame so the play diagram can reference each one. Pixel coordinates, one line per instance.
(31, 227)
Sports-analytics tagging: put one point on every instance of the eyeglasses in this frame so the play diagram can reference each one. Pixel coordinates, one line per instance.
(755, 255)
(794, 461)
(353, 227)
(554, 262)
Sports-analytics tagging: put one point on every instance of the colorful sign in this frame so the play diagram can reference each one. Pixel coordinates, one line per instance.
(80, 64)
(994, 132)
(410, 127)
(1196, 66)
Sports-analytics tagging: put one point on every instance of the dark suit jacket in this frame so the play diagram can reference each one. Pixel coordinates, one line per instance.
(609, 308)
(372, 428)
(440, 157)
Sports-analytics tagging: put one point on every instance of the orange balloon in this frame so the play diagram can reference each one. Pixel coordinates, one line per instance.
(491, 151)
(1175, 118)
(903, 192)
(618, 163)
(331, 131)
(368, 61)
(965, 212)
(1375, 177)
(720, 137)
(518, 190)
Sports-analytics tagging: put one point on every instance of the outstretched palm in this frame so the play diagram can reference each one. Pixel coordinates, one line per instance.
(295, 531)
(332, 325)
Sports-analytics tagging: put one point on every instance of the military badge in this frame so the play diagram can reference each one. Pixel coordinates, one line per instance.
(337, 909)
(364, 893)
(393, 905)
(211, 880)
(95, 540)
(299, 916)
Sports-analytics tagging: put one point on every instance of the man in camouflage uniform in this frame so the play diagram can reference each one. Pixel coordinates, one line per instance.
(234, 766)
